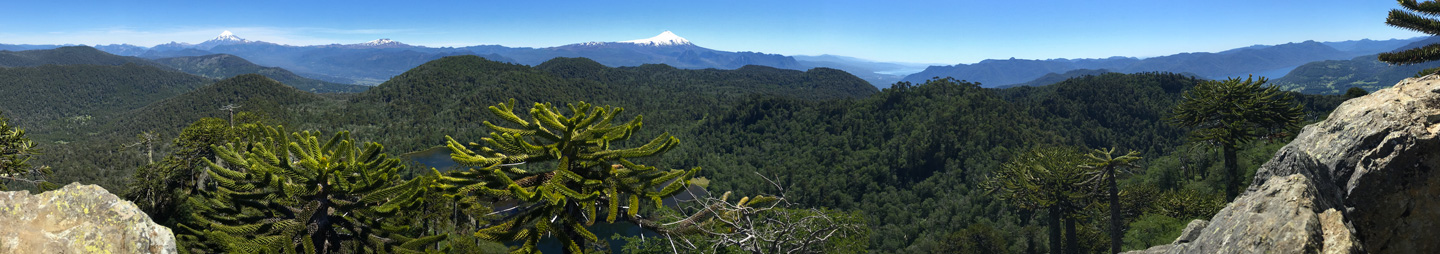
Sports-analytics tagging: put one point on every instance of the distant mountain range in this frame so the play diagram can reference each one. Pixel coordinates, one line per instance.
(216, 66)
(1259, 60)
(376, 61)
(1336, 76)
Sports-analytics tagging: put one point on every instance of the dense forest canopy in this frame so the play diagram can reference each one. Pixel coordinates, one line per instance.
(908, 161)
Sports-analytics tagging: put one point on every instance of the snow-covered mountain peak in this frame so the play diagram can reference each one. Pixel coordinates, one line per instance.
(380, 43)
(664, 39)
(383, 41)
(227, 36)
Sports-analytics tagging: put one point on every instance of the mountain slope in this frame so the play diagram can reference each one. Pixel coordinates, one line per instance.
(448, 96)
(224, 66)
(66, 56)
(1259, 60)
(23, 47)
(818, 83)
(915, 154)
(1053, 78)
(684, 56)
(53, 97)
(122, 49)
(365, 65)
(1368, 46)
(251, 92)
(1336, 76)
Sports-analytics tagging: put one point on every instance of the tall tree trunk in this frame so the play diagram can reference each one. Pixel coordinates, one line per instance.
(150, 152)
(1114, 211)
(1030, 242)
(1055, 230)
(1232, 172)
(1072, 243)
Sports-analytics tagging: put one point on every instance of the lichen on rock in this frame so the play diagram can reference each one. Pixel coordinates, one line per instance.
(78, 219)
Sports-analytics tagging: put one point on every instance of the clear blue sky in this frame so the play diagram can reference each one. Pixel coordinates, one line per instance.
(947, 32)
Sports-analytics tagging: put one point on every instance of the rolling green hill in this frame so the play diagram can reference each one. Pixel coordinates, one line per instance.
(1335, 76)
(448, 96)
(221, 66)
(65, 97)
(250, 92)
(66, 56)
(416, 109)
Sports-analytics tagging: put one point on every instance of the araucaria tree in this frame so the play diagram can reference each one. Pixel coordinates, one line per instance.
(1107, 163)
(297, 194)
(15, 153)
(1233, 112)
(589, 178)
(1051, 179)
(1411, 19)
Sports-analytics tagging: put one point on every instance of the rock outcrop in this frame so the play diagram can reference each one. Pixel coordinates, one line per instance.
(1361, 181)
(78, 219)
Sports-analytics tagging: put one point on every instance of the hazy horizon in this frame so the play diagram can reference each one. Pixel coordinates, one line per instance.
(934, 32)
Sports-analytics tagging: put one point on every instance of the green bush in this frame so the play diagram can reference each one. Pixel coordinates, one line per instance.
(1152, 229)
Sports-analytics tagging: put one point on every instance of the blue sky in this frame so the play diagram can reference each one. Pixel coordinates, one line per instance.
(946, 32)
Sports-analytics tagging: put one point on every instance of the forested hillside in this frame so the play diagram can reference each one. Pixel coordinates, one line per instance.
(910, 160)
(66, 97)
(415, 110)
(912, 156)
(66, 56)
(221, 66)
(1335, 76)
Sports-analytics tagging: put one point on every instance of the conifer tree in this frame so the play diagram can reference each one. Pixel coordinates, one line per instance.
(589, 178)
(160, 188)
(295, 194)
(1231, 113)
(1046, 178)
(1413, 18)
(16, 150)
(1107, 164)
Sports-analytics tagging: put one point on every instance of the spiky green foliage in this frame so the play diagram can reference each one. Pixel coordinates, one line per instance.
(302, 194)
(1414, 18)
(1046, 178)
(1108, 164)
(590, 178)
(1041, 178)
(15, 153)
(1233, 112)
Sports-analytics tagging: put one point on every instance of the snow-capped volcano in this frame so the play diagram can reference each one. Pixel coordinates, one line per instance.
(383, 41)
(664, 39)
(386, 42)
(227, 36)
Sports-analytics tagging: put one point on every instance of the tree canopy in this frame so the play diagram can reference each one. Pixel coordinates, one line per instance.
(588, 173)
(1233, 112)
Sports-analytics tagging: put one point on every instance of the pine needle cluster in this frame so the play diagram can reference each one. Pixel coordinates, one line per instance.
(1416, 17)
(296, 194)
(590, 178)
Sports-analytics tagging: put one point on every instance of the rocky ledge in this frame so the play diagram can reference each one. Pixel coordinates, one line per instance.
(1361, 181)
(78, 219)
